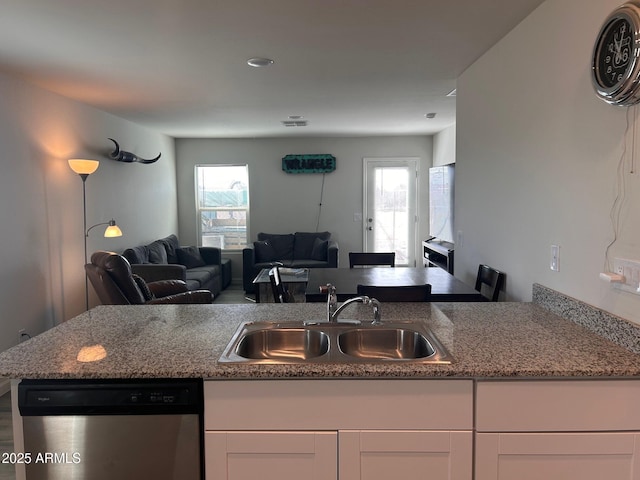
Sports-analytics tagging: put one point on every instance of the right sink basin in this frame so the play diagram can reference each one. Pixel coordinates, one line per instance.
(385, 343)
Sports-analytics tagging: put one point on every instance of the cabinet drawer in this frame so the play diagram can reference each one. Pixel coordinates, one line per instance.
(338, 404)
(271, 455)
(552, 406)
(389, 454)
(566, 456)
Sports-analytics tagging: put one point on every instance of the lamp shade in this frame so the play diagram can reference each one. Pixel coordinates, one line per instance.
(83, 167)
(112, 230)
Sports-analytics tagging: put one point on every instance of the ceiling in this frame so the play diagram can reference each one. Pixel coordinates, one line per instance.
(348, 67)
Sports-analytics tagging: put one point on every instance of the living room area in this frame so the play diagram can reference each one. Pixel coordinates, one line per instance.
(150, 201)
(282, 203)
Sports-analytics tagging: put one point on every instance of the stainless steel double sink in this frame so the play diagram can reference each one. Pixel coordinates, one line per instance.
(333, 342)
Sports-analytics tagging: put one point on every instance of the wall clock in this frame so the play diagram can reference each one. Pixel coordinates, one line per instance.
(615, 67)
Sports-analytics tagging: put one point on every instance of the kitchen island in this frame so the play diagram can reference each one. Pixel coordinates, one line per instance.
(528, 392)
(487, 340)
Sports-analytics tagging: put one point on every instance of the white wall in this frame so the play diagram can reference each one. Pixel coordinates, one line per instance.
(537, 154)
(282, 202)
(42, 275)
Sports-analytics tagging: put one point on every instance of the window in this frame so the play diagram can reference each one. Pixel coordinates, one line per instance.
(222, 203)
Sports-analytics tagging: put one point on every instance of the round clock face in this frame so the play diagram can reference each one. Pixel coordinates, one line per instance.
(615, 68)
(613, 56)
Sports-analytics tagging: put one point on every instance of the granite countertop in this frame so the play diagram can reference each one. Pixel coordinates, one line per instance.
(487, 340)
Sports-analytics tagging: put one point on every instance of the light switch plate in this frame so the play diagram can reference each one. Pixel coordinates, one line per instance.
(554, 264)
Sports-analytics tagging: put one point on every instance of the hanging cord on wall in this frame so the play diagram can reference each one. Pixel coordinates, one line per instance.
(632, 168)
(616, 208)
(320, 204)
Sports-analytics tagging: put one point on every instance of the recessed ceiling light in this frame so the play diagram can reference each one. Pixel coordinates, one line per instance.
(430, 115)
(259, 62)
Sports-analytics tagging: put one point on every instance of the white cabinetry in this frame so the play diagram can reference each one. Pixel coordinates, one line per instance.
(416, 429)
(279, 429)
(558, 430)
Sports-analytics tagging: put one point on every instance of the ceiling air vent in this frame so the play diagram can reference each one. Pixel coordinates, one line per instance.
(294, 123)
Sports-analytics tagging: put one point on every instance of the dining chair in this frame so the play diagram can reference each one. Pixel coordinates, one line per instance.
(280, 292)
(404, 293)
(492, 280)
(364, 259)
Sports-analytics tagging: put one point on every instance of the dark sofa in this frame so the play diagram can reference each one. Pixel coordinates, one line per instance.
(295, 250)
(165, 259)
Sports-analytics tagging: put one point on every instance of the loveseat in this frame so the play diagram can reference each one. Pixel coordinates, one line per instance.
(294, 250)
(165, 259)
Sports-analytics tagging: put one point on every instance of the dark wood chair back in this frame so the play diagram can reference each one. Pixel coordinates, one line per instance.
(280, 293)
(364, 259)
(492, 280)
(404, 293)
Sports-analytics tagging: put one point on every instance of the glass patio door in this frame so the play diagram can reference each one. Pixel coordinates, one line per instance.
(390, 207)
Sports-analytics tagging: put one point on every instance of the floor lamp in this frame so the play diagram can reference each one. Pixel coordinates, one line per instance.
(84, 168)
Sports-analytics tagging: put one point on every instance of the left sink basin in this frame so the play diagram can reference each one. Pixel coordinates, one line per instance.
(283, 344)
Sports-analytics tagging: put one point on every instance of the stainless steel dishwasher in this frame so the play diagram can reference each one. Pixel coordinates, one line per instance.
(110, 429)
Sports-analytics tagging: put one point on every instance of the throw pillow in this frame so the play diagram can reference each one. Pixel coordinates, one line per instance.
(282, 244)
(171, 245)
(319, 251)
(190, 257)
(137, 254)
(144, 288)
(264, 252)
(157, 252)
(304, 242)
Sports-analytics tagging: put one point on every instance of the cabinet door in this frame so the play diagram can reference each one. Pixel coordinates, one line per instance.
(558, 456)
(409, 455)
(270, 455)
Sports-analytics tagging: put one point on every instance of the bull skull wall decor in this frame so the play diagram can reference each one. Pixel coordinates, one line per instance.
(128, 157)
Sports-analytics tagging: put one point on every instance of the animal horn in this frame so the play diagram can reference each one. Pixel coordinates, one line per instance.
(128, 157)
(148, 160)
(116, 152)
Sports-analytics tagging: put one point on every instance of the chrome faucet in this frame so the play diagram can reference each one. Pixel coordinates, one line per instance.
(332, 300)
(333, 311)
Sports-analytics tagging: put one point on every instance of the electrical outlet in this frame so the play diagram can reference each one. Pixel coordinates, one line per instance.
(630, 270)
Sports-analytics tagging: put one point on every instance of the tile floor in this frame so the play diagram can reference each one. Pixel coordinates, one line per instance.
(234, 294)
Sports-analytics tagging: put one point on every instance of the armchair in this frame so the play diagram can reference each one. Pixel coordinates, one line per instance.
(111, 277)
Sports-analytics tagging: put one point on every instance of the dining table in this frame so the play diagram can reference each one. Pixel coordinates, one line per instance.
(444, 286)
